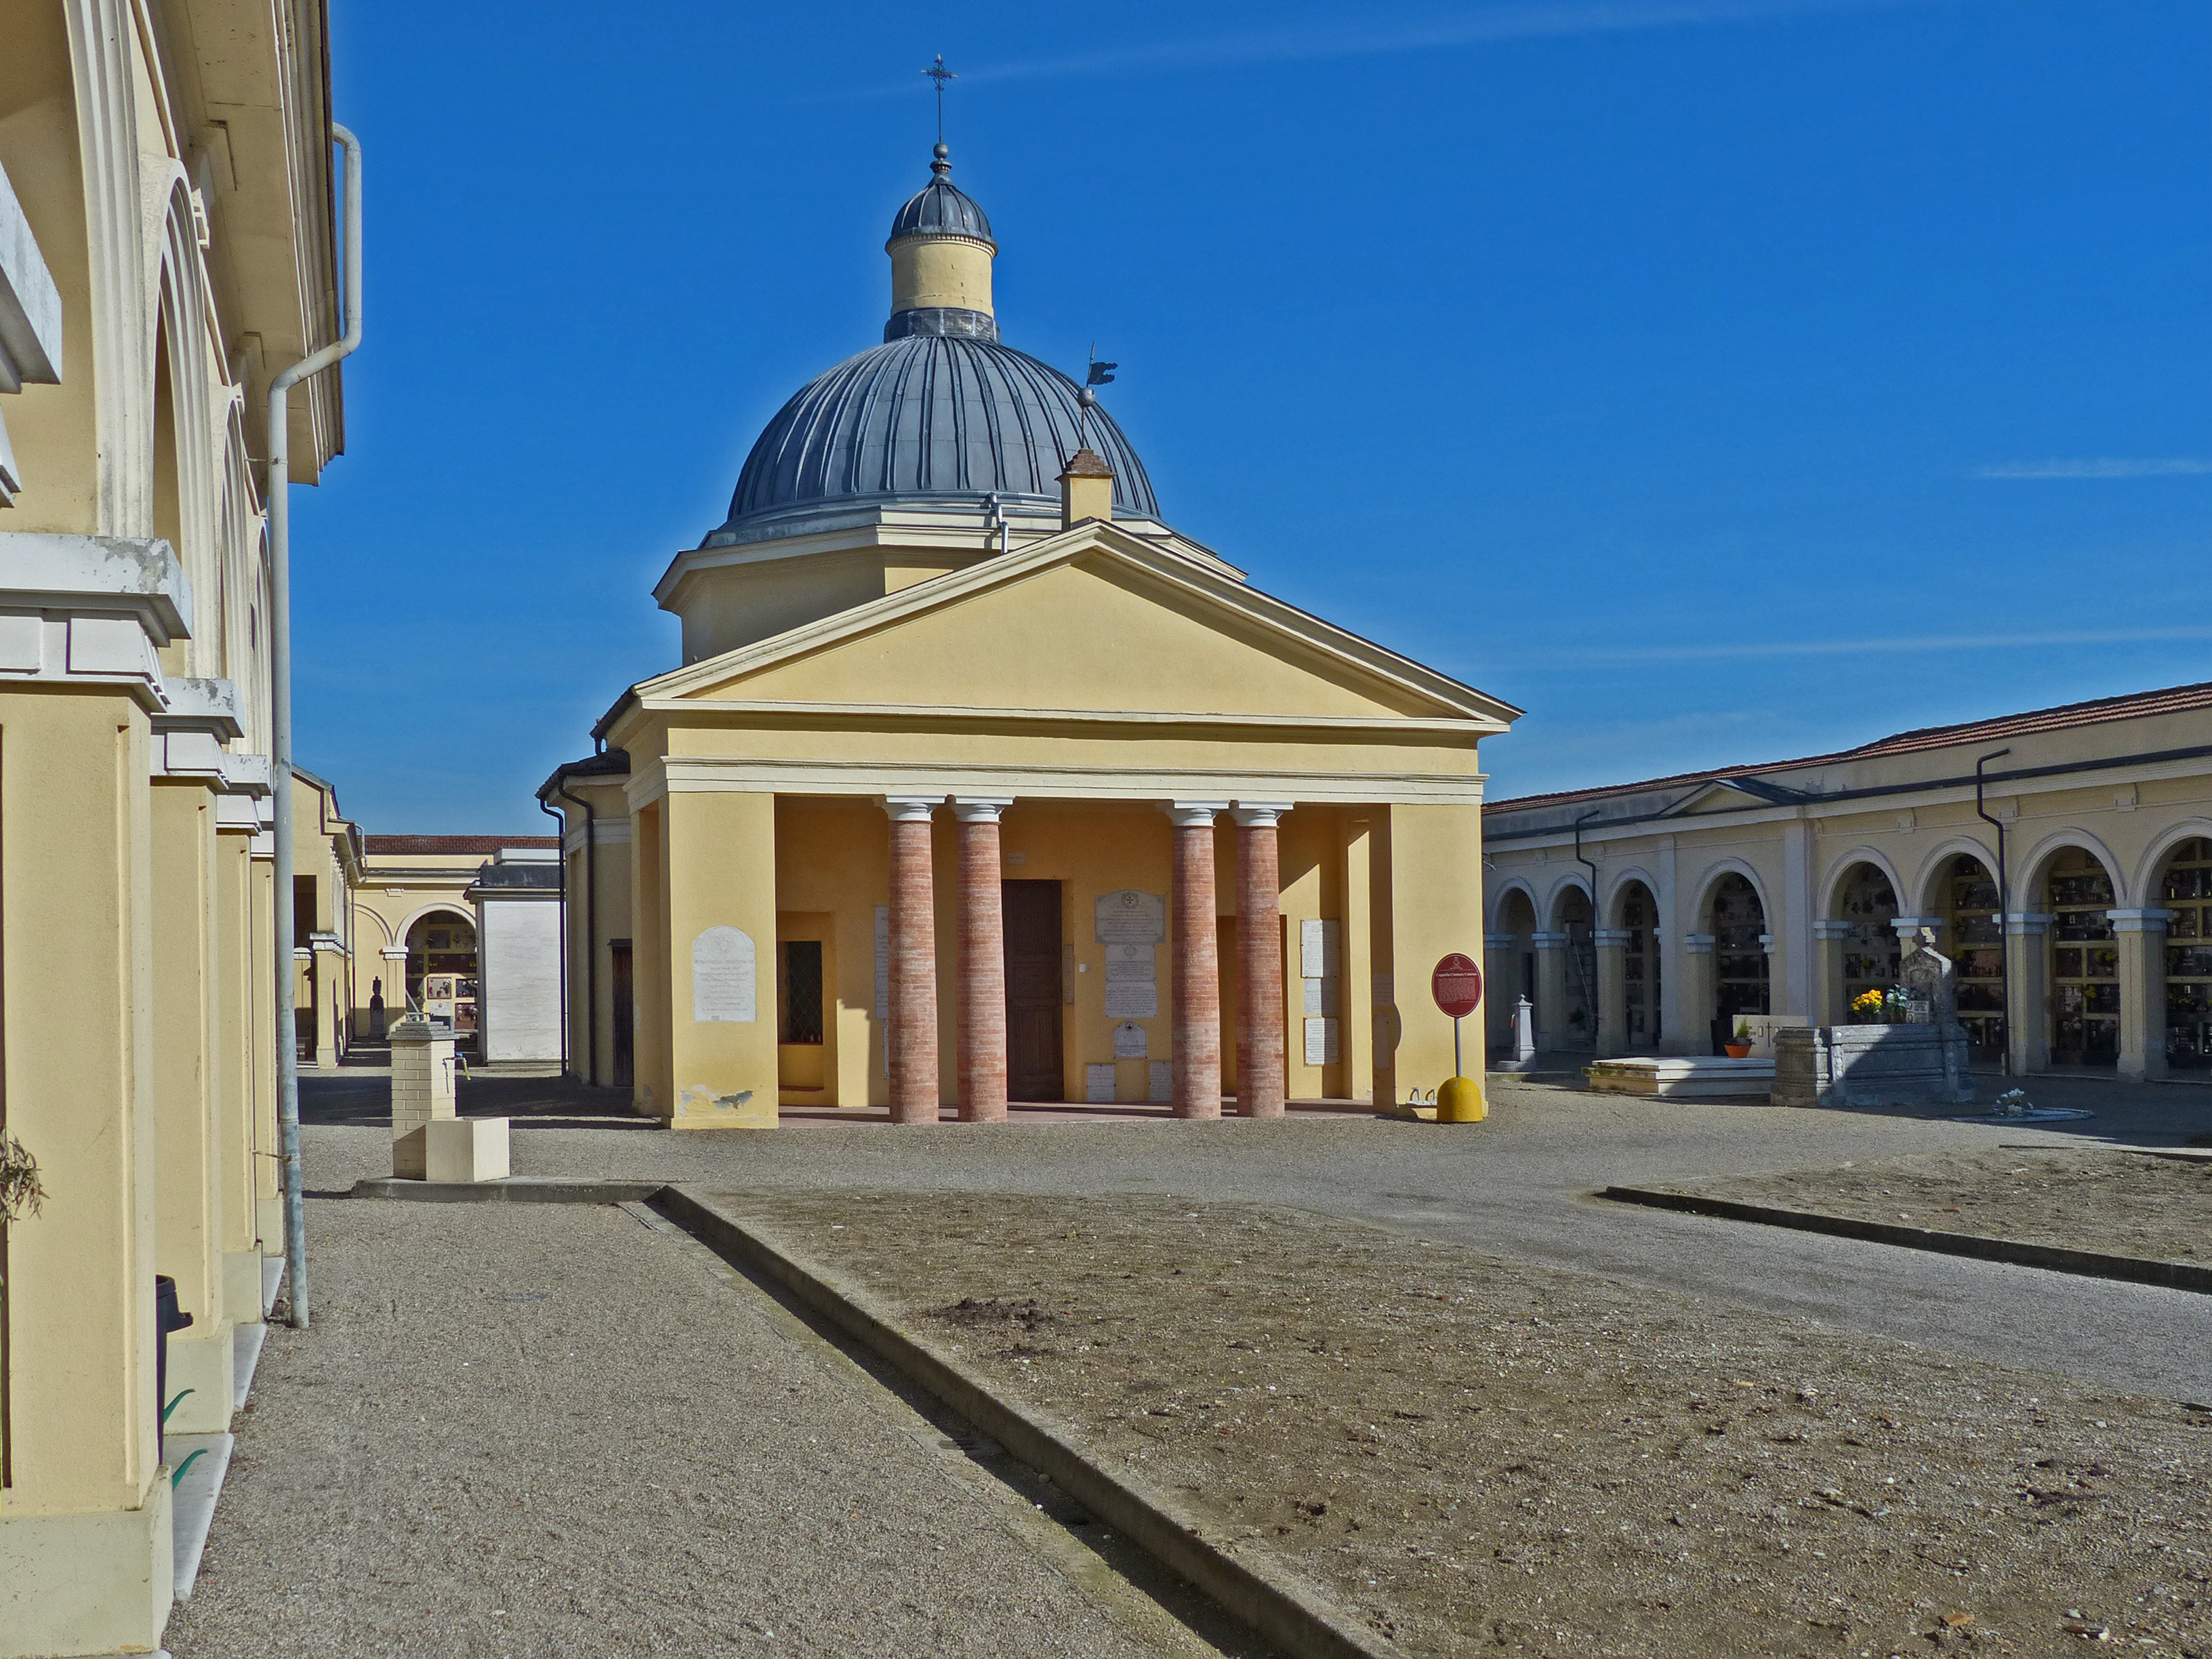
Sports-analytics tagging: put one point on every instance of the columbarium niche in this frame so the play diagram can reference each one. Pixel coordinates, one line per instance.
(2084, 962)
(2185, 891)
(1867, 906)
(1740, 966)
(1975, 935)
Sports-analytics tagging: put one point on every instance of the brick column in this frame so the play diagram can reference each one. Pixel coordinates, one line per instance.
(1197, 968)
(982, 962)
(911, 1042)
(1258, 960)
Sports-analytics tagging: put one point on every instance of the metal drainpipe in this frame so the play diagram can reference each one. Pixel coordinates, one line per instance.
(2005, 916)
(561, 867)
(591, 926)
(280, 687)
(1596, 1013)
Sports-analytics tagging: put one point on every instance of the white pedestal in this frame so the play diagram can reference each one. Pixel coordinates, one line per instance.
(465, 1149)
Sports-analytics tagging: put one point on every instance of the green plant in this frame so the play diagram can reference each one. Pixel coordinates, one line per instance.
(20, 1192)
(1742, 1031)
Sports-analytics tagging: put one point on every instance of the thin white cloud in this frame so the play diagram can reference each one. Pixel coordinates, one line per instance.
(1533, 19)
(1908, 645)
(2162, 467)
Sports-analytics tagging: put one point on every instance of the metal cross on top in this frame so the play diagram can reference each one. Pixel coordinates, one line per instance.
(939, 73)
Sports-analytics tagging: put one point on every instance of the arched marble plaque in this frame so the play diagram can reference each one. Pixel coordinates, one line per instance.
(722, 976)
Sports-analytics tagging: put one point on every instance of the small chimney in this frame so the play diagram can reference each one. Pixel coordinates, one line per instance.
(1086, 489)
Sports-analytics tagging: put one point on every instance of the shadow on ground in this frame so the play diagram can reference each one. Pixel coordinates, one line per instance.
(364, 1097)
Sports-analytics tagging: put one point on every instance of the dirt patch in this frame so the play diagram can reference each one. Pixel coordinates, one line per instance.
(2122, 1203)
(1478, 1455)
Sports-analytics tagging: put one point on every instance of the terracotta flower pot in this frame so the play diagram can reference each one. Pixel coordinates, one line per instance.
(1737, 1050)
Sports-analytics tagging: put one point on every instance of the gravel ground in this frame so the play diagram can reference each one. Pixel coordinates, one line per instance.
(545, 1430)
(2081, 1199)
(1480, 1454)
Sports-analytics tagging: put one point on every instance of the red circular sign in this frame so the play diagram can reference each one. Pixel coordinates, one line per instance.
(1456, 984)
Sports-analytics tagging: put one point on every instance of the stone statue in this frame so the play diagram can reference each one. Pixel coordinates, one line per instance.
(376, 1008)
(1930, 982)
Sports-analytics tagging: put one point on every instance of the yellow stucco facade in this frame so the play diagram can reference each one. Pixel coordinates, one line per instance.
(164, 191)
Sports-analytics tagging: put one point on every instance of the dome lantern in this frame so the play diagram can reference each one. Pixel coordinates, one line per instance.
(941, 251)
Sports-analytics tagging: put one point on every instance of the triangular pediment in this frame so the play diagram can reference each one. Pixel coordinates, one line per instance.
(1093, 619)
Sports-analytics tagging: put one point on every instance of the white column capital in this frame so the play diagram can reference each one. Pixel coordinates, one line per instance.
(1259, 814)
(1766, 943)
(1500, 941)
(1544, 941)
(1907, 927)
(1699, 945)
(1831, 930)
(979, 809)
(2139, 921)
(394, 953)
(1614, 937)
(911, 809)
(1193, 814)
(2025, 922)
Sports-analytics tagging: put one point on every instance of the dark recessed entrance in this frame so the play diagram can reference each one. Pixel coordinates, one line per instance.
(1033, 1069)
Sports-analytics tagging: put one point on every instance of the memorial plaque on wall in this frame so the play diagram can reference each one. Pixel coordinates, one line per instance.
(1130, 1041)
(1321, 1042)
(1317, 950)
(1161, 1082)
(1130, 917)
(1098, 1085)
(722, 976)
(1133, 990)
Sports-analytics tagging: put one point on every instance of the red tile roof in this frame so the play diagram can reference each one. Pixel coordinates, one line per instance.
(485, 845)
(2136, 705)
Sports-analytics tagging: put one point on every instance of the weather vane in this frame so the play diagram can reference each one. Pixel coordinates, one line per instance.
(1100, 375)
(939, 73)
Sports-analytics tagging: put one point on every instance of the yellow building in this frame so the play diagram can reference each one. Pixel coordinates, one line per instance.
(166, 247)
(979, 781)
(2064, 857)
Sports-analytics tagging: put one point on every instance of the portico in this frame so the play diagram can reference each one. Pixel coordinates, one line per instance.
(981, 785)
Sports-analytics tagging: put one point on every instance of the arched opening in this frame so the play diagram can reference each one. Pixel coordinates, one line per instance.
(1974, 934)
(2085, 961)
(1572, 919)
(1867, 903)
(441, 970)
(2186, 891)
(1512, 965)
(1739, 928)
(1639, 983)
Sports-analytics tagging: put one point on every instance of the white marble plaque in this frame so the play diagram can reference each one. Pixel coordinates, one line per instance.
(1132, 962)
(1160, 1090)
(1386, 990)
(1132, 999)
(1129, 917)
(1321, 1042)
(1321, 997)
(1098, 1085)
(1130, 1041)
(1318, 950)
(722, 976)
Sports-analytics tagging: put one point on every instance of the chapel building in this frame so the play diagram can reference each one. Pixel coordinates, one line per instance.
(980, 782)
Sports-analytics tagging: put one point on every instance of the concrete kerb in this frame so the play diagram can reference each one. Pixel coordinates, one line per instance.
(1276, 1604)
(1280, 1606)
(2093, 1264)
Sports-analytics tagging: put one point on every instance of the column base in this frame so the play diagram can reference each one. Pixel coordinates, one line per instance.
(88, 1584)
(203, 1358)
(241, 1286)
(268, 1224)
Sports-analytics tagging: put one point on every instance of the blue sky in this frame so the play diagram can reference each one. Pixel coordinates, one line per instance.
(1717, 379)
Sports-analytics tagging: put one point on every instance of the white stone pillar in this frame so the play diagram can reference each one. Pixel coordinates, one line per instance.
(2140, 937)
(1830, 1007)
(1551, 993)
(1501, 985)
(2028, 991)
(1612, 1011)
(394, 979)
(1700, 988)
(421, 1091)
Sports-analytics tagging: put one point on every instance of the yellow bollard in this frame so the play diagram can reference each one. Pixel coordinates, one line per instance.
(1460, 1101)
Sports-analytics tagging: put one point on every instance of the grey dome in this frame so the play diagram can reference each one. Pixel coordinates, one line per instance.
(928, 418)
(940, 208)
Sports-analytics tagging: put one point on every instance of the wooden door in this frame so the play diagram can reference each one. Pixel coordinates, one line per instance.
(624, 1019)
(1035, 1071)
